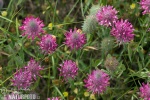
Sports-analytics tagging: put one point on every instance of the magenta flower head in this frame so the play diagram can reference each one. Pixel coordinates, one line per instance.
(75, 39)
(32, 27)
(68, 69)
(22, 79)
(48, 43)
(145, 5)
(53, 98)
(145, 91)
(107, 15)
(122, 31)
(97, 81)
(34, 68)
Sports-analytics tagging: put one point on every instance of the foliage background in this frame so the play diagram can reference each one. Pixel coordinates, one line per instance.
(16, 51)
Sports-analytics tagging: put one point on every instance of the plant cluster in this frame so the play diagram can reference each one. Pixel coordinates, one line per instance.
(106, 57)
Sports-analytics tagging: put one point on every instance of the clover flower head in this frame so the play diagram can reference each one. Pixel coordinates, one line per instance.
(68, 69)
(107, 15)
(34, 68)
(111, 63)
(123, 31)
(48, 43)
(145, 91)
(75, 39)
(145, 5)
(22, 79)
(97, 82)
(32, 27)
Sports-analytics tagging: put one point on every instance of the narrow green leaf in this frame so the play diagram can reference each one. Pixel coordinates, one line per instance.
(17, 24)
(139, 64)
(59, 92)
(129, 53)
(6, 18)
(28, 52)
